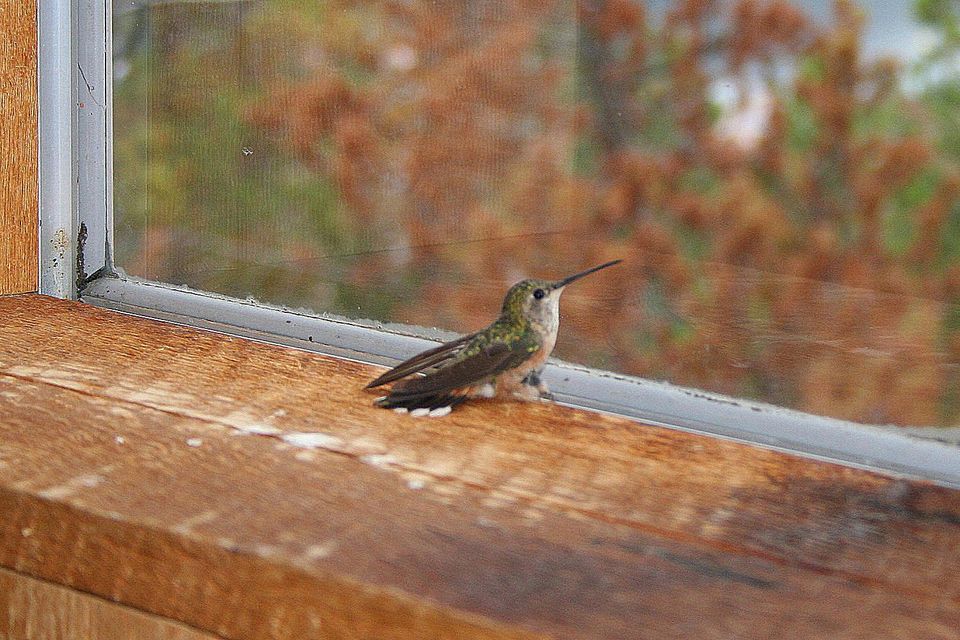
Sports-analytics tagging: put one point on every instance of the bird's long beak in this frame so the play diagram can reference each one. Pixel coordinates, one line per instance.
(559, 284)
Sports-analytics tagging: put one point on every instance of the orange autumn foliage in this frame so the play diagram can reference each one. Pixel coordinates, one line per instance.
(492, 141)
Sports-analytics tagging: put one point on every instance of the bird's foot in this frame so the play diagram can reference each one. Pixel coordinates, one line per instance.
(525, 392)
(537, 386)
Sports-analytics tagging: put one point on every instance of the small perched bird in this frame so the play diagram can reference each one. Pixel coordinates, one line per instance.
(505, 359)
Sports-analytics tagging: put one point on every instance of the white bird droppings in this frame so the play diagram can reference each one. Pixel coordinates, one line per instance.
(119, 439)
(258, 429)
(266, 550)
(416, 483)
(312, 440)
(26, 532)
(194, 442)
(440, 412)
(227, 543)
(400, 410)
(317, 551)
(187, 525)
(380, 461)
(73, 485)
(419, 413)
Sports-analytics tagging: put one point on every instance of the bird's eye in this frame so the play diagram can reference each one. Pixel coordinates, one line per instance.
(539, 293)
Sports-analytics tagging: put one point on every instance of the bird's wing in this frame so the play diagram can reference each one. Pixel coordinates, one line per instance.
(448, 384)
(423, 360)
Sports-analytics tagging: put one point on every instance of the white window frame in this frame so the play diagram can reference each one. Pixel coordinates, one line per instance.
(76, 199)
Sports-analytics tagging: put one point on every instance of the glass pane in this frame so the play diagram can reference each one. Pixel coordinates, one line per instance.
(782, 179)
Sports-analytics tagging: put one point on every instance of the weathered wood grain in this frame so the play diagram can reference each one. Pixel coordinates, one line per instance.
(18, 146)
(31, 609)
(147, 462)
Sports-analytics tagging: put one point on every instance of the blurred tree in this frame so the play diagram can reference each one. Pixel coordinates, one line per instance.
(409, 159)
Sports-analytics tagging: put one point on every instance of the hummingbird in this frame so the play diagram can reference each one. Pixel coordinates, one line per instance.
(503, 360)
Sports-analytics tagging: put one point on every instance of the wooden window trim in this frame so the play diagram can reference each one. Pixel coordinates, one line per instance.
(18, 142)
(153, 466)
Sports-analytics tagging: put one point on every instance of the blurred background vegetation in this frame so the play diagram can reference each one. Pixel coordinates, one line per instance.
(781, 178)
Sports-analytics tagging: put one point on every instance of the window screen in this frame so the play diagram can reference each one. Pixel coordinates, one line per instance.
(781, 178)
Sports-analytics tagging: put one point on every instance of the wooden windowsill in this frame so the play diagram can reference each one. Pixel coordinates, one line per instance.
(145, 464)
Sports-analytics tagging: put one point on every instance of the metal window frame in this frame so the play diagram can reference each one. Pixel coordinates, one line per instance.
(76, 211)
